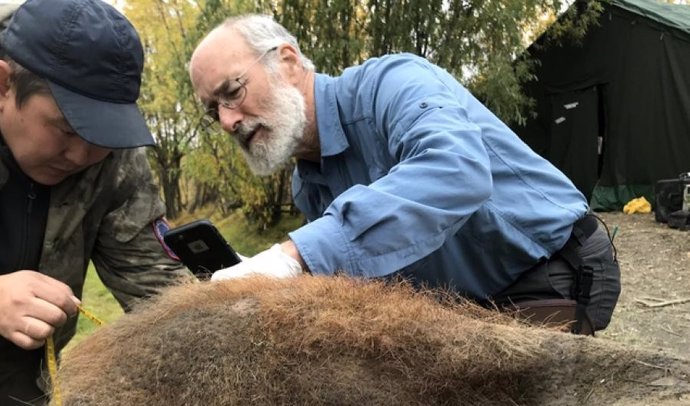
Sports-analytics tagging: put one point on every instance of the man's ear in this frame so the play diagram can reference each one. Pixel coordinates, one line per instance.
(290, 63)
(5, 71)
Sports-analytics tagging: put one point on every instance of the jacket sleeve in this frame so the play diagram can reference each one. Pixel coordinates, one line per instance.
(129, 255)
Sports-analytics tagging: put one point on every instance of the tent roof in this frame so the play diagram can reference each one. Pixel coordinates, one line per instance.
(672, 15)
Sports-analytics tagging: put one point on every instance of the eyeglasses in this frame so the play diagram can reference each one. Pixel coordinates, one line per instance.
(229, 97)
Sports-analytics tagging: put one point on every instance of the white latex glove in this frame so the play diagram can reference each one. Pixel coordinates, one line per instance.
(272, 262)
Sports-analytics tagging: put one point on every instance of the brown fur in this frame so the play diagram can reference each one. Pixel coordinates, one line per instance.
(317, 340)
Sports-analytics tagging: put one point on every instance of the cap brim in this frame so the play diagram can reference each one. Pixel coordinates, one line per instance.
(106, 124)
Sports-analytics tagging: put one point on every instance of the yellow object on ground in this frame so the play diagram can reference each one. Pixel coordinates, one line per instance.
(638, 205)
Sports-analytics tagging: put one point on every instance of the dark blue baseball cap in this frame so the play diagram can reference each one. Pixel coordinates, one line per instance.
(92, 59)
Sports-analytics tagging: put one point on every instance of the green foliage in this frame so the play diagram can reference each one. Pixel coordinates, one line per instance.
(478, 41)
(165, 100)
(170, 29)
(99, 301)
(573, 24)
(330, 32)
(239, 231)
(214, 168)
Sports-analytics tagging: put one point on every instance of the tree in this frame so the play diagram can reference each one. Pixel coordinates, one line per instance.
(170, 29)
(165, 102)
(478, 41)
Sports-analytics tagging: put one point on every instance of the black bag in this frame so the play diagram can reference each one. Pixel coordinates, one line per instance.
(679, 219)
(668, 196)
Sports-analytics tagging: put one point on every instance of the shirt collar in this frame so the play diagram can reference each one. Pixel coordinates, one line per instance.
(331, 135)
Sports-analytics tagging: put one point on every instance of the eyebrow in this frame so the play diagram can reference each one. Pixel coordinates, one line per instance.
(60, 121)
(223, 87)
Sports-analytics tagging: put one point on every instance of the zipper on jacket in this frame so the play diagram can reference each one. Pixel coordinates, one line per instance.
(30, 198)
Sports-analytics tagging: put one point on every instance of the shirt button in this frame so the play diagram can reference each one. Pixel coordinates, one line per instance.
(423, 105)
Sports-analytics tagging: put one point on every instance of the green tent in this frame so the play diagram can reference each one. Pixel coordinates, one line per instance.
(613, 112)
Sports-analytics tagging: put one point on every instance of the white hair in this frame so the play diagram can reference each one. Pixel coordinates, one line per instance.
(262, 33)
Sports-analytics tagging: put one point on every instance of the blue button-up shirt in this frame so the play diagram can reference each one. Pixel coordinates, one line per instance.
(418, 177)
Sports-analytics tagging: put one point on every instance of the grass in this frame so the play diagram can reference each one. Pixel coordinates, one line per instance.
(99, 301)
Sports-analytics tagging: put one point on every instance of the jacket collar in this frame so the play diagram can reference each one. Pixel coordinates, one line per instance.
(6, 159)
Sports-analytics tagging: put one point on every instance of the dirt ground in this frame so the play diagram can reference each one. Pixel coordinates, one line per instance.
(654, 308)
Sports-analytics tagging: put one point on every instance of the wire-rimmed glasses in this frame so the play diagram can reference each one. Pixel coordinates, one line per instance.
(230, 97)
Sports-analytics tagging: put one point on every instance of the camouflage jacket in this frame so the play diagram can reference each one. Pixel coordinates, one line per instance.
(107, 214)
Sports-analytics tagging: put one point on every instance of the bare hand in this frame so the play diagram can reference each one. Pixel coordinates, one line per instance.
(33, 305)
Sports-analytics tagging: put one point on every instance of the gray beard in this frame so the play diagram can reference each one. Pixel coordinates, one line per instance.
(282, 131)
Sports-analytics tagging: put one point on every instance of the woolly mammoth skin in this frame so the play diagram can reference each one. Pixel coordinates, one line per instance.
(318, 340)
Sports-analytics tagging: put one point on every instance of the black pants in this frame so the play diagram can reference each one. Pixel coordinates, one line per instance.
(20, 374)
(554, 279)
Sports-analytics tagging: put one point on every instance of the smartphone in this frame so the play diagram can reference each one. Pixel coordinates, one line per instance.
(201, 248)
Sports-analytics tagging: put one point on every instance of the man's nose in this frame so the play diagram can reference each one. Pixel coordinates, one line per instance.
(78, 151)
(230, 119)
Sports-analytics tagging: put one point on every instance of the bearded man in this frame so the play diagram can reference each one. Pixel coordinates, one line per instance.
(401, 171)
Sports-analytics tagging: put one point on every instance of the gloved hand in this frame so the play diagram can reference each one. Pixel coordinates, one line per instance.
(272, 262)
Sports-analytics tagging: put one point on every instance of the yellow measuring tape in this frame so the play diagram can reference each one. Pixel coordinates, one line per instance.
(52, 368)
(52, 361)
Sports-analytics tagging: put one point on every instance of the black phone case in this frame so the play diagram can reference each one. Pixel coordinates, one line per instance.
(201, 248)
